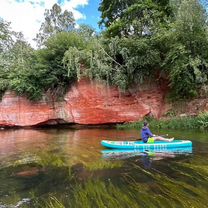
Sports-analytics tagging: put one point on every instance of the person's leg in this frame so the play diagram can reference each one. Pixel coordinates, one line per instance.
(158, 138)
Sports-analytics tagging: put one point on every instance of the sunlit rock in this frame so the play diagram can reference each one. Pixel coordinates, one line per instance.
(86, 102)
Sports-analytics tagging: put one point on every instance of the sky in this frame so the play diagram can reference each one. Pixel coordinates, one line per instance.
(26, 16)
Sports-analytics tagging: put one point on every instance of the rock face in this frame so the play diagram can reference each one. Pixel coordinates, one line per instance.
(85, 103)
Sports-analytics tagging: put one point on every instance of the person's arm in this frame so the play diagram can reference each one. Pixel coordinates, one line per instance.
(149, 132)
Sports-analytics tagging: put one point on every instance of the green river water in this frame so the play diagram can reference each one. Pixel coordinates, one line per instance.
(67, 168)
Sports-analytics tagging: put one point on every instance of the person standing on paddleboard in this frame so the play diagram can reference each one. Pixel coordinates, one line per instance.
(148, 137)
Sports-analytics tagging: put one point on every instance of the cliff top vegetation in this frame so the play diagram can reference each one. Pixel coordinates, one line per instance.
(141, 40)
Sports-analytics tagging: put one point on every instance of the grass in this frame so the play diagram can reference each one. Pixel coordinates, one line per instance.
(103, 164)
(159, 190)
(54, 203)
(198, 122)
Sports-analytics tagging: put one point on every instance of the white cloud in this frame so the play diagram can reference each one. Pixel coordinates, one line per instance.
(26, 16)
(72, 5)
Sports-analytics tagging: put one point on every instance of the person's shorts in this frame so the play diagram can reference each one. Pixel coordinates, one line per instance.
(151, 140)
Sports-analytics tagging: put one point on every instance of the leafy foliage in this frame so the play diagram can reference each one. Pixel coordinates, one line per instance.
(6, 39)
(14, 57)
(186, 56)
(141, 39)
(121, 62)
(137, 18)
(34, 72)
(174, 35)
(48, 74)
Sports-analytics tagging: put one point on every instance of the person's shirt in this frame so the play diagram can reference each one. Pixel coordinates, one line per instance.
(146, 133)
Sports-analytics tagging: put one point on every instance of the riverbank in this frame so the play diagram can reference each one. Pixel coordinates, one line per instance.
(186, 122)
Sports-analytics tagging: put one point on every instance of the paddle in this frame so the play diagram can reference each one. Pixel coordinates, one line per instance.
(165, 135)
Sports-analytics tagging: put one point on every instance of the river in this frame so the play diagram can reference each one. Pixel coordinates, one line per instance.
(68, 168)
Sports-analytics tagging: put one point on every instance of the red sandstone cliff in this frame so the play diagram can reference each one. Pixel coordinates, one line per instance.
(85, 103)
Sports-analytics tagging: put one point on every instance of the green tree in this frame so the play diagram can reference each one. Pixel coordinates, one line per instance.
(55, 21)
(15, 59)
(20, 67)
(137, 18)
(49, 73)
(187, 57)
(6, 39)
(6, 43)
(135, 23)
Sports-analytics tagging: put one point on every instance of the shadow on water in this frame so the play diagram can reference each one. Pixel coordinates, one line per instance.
(68, 168)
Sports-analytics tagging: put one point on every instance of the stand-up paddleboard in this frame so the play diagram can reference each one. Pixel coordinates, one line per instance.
(145, 146)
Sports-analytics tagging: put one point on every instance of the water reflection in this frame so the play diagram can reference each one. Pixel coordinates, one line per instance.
(76, 145)
(159, 153)
(147, 157)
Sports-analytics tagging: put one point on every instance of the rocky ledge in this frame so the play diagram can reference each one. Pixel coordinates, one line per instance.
(86, 102)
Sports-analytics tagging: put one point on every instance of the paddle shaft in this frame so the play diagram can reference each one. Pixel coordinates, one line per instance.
(141, 138)
(165, 135)
(162, 135)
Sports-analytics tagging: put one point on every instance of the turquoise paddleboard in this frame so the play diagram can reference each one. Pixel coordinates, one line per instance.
(145, 146)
